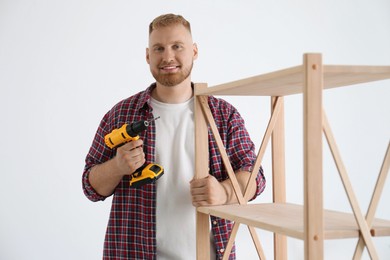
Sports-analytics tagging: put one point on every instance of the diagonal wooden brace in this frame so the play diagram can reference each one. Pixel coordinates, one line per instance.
(237, 190)
(363, 226)
(374, 200)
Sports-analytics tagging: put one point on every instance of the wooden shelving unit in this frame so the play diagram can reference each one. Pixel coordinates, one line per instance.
(287, 219)
(310, 221)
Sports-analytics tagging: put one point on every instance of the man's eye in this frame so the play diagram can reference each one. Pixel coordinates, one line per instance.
(176, 47)
(159, 49)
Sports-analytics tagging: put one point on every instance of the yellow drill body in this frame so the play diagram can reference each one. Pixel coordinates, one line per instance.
(119, 136)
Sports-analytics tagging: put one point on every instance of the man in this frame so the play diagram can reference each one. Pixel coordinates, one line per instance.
(158, 220)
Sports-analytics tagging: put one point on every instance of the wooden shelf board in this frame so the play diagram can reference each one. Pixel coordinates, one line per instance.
(290, 81)
(287, 219)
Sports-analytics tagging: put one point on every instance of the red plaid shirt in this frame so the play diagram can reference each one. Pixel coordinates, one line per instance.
(131, 230)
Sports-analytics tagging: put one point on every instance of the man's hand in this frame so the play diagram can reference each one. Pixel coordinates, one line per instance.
(129, 157)
(208, 191)
(106, 176)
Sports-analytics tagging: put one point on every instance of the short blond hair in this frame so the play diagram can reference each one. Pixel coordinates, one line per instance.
(168, 20)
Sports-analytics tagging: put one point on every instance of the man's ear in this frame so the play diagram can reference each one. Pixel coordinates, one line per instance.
(147, 55)
(195, 49)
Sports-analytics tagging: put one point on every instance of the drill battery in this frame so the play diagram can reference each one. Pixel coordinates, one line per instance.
(146, 174)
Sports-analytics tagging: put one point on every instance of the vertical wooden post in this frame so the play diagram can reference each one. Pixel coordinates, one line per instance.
(313, 191)
(278, 175)
(201, 171)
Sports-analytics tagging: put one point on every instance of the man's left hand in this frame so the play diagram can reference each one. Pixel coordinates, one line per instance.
(208, 191)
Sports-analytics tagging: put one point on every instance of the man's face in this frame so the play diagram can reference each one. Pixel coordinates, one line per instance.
(171, 54)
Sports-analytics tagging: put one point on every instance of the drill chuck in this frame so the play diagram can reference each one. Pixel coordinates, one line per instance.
(137, 127)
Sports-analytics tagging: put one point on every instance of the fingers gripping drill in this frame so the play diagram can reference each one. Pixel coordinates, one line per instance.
(147, 173)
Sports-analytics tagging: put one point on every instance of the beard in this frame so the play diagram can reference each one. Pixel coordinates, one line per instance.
(172, 79)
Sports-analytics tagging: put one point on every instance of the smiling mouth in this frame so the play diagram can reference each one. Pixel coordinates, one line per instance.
(169, 68)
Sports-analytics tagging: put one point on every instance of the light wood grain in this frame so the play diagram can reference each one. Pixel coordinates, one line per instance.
(309, 222)
(374, 204)
(289, 81)
(225, 159)
(278, 171)
(201, 171)
(232, 177)
(312, 157)
(287, 219)
(364, 228)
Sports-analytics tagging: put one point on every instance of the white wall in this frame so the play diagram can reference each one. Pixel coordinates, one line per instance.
(63, 64)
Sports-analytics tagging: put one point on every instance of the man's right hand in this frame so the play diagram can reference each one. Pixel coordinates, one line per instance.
(129, 157)
(106, 176)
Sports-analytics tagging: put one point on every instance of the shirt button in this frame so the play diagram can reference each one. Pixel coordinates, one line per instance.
(215, 222)
(221, 250)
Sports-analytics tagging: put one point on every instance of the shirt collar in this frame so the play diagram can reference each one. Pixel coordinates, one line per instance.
(147, 95)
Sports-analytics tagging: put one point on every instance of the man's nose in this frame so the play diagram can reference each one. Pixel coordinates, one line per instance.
(168, 55)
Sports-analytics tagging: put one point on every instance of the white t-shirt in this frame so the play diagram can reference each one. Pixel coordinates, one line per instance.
(175, 152)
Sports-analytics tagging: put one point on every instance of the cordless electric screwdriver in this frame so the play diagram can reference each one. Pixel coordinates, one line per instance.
(147, 173)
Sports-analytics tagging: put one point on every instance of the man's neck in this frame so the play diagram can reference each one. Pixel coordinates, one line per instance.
(174, 94)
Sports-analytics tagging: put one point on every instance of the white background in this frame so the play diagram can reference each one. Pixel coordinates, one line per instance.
(63, 64)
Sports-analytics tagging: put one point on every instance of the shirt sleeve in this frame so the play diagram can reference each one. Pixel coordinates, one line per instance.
(239, 146)
(98, 153)
(242, 150)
